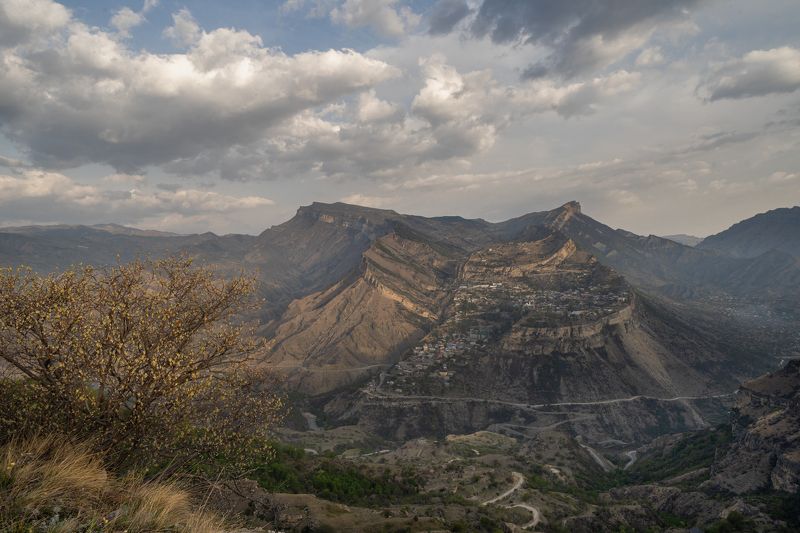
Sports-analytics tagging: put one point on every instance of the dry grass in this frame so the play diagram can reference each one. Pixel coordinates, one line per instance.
(48, 485)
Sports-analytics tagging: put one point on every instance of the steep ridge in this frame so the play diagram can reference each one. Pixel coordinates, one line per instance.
(324, 243)
(361, 324)
(778, 229)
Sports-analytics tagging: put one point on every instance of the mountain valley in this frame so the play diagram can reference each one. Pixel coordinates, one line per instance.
(547, 372)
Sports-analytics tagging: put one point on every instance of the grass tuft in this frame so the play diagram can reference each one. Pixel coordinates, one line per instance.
(50, 485)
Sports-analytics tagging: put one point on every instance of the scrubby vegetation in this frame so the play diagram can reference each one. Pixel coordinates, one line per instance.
(136, 374)
(146, 359)
(292, 470)
(696, 450)
(50, 485)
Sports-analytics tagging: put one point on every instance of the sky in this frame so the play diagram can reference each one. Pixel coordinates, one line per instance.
(659, 116)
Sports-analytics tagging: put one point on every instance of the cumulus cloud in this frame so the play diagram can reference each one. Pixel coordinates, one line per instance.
(757, 73)
(125, 19)
(383, 16)
(86, 97)
(453, 117)
(373, 109)
(22, 20)
(58, 198)
(582, 34)
(184, 30)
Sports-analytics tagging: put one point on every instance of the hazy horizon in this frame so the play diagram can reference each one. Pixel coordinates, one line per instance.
(583, 209)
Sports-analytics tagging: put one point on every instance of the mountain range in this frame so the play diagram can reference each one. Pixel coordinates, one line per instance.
(551, 307)
(550, 346)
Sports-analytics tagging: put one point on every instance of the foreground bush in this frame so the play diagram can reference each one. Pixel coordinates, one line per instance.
(51, 486)
(147, 360)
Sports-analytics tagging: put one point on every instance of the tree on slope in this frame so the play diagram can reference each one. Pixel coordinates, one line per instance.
(149, 360)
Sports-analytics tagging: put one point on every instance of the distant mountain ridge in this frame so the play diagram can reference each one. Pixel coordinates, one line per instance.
(322, 243)
(682, 238)
(116, 229)
(776, 230)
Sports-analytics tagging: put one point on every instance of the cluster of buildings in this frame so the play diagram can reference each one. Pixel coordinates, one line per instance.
(436, 358)
(579, 302)
(483, 309)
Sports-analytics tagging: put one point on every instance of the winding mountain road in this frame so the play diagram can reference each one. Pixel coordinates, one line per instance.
(519, 480)
(536, 516)
(390, 396)
(632, 456)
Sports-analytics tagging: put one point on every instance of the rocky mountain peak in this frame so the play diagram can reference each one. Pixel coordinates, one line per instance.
(573, 207)
(565, 213)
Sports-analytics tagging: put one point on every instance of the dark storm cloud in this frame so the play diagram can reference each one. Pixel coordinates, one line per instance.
(582, 34)
(446, 14)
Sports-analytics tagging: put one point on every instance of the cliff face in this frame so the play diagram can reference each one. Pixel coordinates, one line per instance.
(334, 337)
(766, 427)
(539, 334)
(532, 310)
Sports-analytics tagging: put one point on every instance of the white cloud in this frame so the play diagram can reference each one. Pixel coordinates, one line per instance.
(90, 98)
(573, 99)
(454, 117)
(757, 73)
(125, 19)
(383, 16)
(21, 20)
(369, 201)
(782, 177)
(650, 57)
(58, 198)
(373, 109)
(40, 184)
(184, 30)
